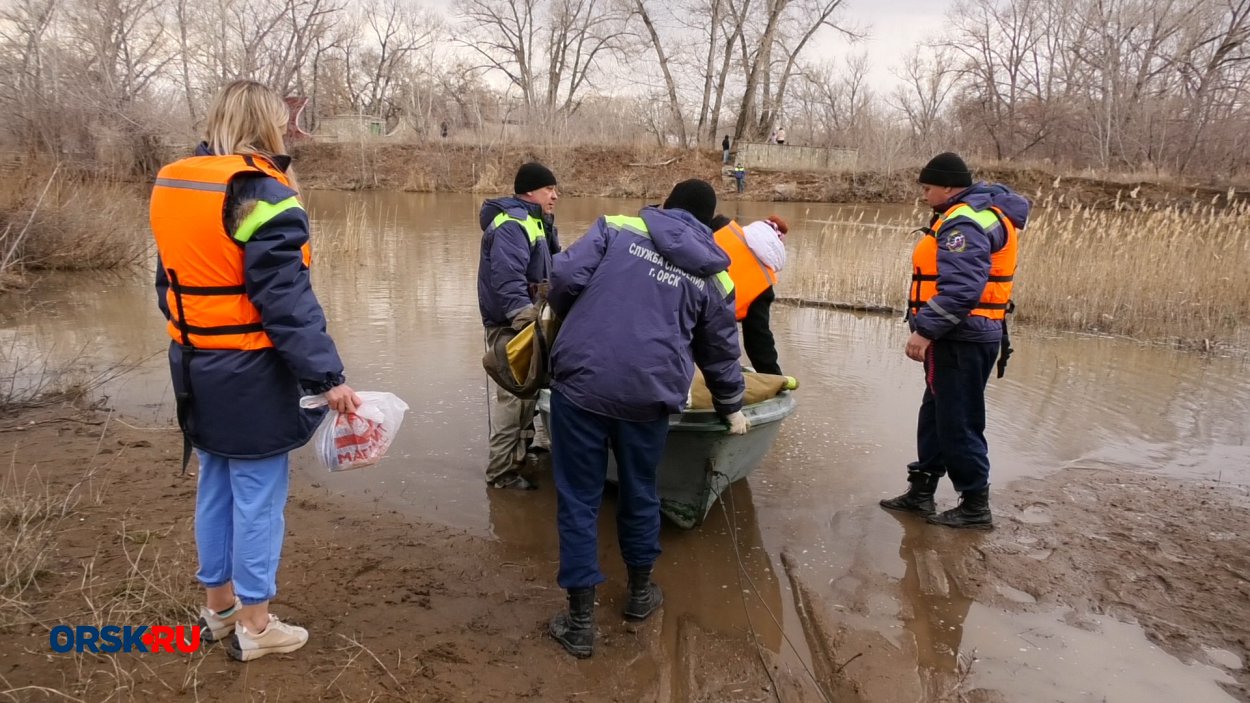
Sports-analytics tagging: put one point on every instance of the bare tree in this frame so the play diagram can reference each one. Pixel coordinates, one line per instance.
(789, 25)
(504, 39)
(395, 31)
(674, 106)
(805, 18)
(518, 37)
(758, 67)
(928, 77)
(1213, 72)
(838, 98)
(125, 43)
(579, 34)
(731, 28)
(24, 27)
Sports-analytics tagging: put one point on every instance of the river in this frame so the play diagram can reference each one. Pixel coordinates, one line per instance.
(402, 307)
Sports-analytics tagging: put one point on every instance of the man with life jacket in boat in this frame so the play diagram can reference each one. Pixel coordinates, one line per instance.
(757, 253)
(960, 294)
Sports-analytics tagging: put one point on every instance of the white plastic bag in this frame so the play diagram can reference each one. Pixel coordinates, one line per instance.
(356, 440)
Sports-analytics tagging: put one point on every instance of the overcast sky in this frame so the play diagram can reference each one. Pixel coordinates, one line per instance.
(895, 26)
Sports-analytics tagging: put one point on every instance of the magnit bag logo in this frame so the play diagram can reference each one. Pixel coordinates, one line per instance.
(111, 639)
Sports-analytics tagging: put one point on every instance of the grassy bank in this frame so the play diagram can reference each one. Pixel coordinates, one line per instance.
(1157, 274)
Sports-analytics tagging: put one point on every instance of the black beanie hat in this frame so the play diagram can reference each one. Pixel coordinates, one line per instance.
(532, 176)
(695, 197)
(946, 169)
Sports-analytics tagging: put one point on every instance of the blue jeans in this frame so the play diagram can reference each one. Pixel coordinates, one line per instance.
(239, 523)
(742, 183)
(950, 432)
(579, 459)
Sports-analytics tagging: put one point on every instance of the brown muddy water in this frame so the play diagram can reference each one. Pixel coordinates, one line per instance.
(402, 307)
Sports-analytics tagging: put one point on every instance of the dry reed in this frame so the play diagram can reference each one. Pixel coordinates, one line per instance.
(31, 514)
(71, 221)
(345, 235)
(1152, 273)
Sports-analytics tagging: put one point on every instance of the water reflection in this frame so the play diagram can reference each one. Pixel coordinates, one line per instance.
(403, 308)
(933, 608)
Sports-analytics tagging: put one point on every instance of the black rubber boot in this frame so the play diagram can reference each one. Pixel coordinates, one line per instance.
(972, 513)
(919, 496)
(645, 596)
(575, 628)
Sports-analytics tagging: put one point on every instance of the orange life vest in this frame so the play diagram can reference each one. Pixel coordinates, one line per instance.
(996, 297)
(751, 276)
(207, 300)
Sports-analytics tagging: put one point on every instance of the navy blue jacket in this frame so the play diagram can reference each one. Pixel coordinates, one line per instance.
(639, 312)
(509, 263)
(245, 404)
(964, 266)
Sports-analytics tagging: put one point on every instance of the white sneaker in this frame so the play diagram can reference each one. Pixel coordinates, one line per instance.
(214, 627)
(277, 638)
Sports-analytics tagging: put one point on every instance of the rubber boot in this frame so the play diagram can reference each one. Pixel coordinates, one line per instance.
(645, 596)
(575, 628)
(919, 496)
(972, 513)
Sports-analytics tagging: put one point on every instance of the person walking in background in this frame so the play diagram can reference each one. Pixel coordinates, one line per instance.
(962, 268)
(660, 279)
(724, 147)
(781, 135)
(740, 177)
(518, 240)
(757, 253)
(248, 339)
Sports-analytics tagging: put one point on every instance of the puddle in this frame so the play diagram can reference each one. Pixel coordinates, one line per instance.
(1034, 515)
(1224, 658)
(1024, 655)
(1015, 595)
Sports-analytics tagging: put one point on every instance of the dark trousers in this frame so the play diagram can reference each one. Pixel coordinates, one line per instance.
(757, 335)
(950, 433)
(579, 459)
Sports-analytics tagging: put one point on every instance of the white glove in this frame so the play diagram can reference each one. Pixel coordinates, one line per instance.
(738, 423)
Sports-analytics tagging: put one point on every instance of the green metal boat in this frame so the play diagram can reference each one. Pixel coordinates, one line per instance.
(702, 459)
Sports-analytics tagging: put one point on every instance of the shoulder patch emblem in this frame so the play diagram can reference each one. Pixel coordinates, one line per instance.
(956, 243)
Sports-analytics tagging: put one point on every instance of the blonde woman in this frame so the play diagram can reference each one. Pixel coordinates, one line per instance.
(248, 339)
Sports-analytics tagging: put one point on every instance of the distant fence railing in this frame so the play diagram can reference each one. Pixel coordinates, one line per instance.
(787, 157)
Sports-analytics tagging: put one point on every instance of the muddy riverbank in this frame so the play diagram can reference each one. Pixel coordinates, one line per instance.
(799, 570)
(402, 609)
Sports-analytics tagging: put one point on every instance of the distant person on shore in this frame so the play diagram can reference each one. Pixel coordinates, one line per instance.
(740, 177)
(757, 253)
(248, 339)
(442, 129)
(772, 137)
(659, 280)
(518, 240)
(781, 135)
(960, 294)
(724, 147)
